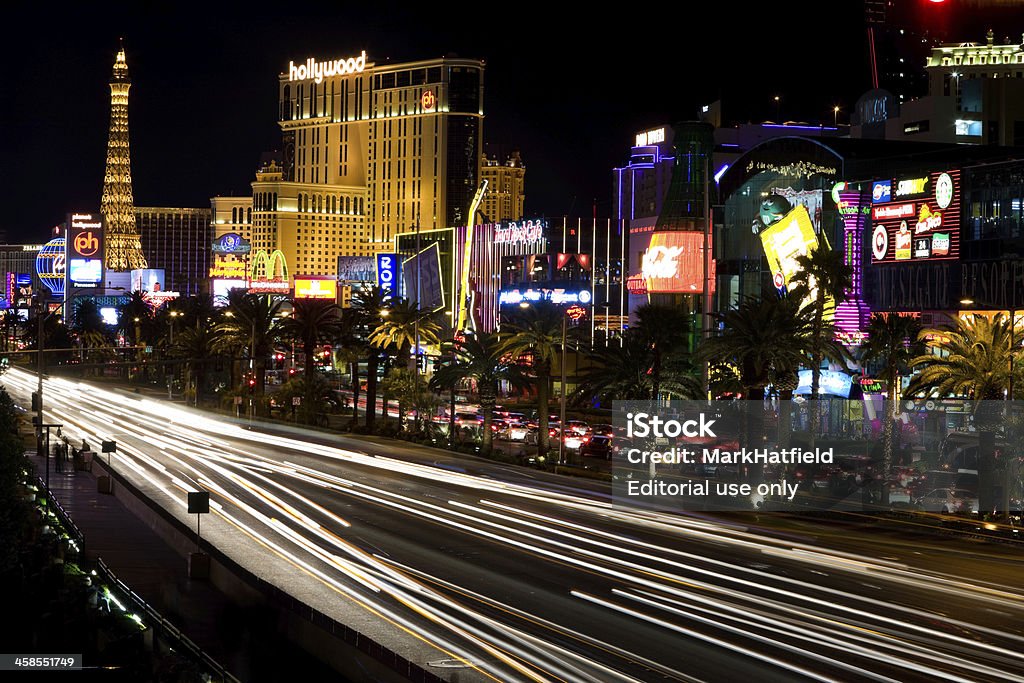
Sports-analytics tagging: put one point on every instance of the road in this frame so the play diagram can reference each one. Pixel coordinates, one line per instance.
(487, 572)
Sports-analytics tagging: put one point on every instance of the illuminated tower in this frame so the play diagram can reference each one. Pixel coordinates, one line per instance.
(124, 250)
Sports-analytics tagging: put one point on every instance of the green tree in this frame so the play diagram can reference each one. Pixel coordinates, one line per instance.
(627, 372)
(399, 326)
(893, 341)
(760, 338)
(252, 322)
(198, 346)
(311, 324)
(665, 330)
(975, 361)
(482, 361)
(823, 281)
(367, 306)
(535, 334)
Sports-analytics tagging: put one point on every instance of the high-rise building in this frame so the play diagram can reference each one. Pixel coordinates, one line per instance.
(505, 194)
(177, 241)
(368, 151)
(640, 187)
(124, 249)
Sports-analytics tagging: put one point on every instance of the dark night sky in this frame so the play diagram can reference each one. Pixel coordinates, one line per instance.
(567, 89)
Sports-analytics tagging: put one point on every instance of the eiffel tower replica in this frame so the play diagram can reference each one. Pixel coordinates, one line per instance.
(124, 249)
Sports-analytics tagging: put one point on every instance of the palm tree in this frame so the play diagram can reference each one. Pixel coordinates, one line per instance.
(252, 322)
(536, 334)
(893, 341)
(92, 332)
(399, 326)
(350, 348)
(627, 372)
(975, 360)
(824, 279)
(482, 360)
(368, 304)
(312, 322)
(760, 338)
(664, 329)
(198, 346)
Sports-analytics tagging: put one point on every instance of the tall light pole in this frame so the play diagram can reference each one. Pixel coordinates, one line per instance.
(835, 115)
(561, 416)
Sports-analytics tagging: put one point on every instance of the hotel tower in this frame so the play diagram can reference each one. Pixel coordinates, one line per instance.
(368, 151)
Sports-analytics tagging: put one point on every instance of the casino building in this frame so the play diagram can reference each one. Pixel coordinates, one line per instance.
(368, 151)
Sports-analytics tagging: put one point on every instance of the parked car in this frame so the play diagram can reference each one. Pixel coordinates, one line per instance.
(599, 445)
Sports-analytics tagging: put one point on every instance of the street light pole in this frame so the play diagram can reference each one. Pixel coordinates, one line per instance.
(561, 421)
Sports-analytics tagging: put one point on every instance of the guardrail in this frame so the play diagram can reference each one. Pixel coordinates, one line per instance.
(163, 630)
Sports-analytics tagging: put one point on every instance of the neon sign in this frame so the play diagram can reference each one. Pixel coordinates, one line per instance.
(387, 273)
(317, 71)
(912, 187)
(554, 295)
(651, 137)
(576, 312)
(523, 232)
(231, 243)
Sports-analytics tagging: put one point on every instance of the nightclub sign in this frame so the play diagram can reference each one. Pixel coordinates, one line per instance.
(555, 295)
(920, 220)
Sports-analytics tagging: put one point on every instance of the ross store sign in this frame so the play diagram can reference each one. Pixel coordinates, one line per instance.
(318, 71)
(522, 232)
(387, 273)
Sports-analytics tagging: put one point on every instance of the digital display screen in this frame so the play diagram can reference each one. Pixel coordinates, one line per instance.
(921, 223)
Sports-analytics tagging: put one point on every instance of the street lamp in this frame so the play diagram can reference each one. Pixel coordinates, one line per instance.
(835, 115)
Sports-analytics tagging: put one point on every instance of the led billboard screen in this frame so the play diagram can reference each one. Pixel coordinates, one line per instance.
(316, 287)
(672, 263)
(921, 222)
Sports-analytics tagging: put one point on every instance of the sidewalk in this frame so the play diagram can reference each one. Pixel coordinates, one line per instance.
(242, 640)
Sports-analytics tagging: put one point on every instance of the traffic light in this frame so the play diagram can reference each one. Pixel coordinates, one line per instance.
(291, 372)
(35, 401)
(252, 385)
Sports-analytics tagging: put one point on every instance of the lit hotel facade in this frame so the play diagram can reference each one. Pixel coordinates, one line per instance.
(368, 151)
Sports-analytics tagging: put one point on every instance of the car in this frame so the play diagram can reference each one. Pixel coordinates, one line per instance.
(574, 441)
(598, 445)
(517, 430)
(949, 501)
(578, 427)
(602, 430)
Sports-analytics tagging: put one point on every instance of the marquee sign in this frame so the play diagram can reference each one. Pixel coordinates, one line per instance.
(921, 222)
(85, 250)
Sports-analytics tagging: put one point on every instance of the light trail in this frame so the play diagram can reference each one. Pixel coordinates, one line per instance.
(372, 530)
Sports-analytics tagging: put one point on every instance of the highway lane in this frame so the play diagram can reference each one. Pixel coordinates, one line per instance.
(533, 580)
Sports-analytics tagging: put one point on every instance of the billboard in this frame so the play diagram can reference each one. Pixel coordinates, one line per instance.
(147, 280)
(84, 250)
(672, 263)
(316, 287)
(921, 220)
(352, 269)
(221, 287)
(556, 295)
(421, 277)
(786, 239)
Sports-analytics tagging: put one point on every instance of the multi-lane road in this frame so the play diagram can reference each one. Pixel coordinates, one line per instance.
(485, 572)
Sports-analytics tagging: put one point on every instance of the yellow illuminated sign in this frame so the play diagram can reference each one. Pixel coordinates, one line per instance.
(791, 236)
(316, 288)
(222, 268)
